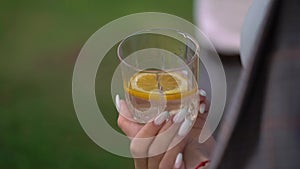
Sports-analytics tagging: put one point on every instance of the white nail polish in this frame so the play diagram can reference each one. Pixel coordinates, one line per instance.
(178, 161)
(161, 118)
(202, 108)
(179, 117)
(184, 128)
(118, 102)
(202, 92)
(173, 112)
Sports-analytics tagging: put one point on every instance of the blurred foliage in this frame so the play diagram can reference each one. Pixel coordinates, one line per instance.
(39, 43)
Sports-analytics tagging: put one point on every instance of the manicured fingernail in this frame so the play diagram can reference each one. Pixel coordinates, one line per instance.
(178, 161)
(184, 128)
(173, 112)
(202, 92)
(179, 117)
(118, 102)
(202, 108)
(161, 118)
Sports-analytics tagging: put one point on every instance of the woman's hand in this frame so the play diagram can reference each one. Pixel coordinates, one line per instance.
(163, 143)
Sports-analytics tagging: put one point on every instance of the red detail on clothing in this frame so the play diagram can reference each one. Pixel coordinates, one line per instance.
(202, 164)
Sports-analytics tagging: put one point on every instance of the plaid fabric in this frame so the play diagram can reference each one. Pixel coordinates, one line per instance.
(261, 129)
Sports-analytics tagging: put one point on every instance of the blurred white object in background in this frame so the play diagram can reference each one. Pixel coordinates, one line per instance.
(221, 21)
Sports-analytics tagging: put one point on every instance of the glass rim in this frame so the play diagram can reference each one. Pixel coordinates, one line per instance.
(185, 35)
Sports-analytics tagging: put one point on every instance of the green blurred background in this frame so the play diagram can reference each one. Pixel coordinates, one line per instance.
(39, 44)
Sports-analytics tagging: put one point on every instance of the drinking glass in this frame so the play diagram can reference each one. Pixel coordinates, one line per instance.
(159, 70)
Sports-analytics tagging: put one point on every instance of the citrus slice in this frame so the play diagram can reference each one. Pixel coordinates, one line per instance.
(170, 85)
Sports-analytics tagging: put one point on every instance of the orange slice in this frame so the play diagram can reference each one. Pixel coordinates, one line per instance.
(169, 85)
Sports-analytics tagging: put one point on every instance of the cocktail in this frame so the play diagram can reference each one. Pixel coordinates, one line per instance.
(160, 73)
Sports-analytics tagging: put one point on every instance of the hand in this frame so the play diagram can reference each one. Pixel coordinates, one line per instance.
(152, 149)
